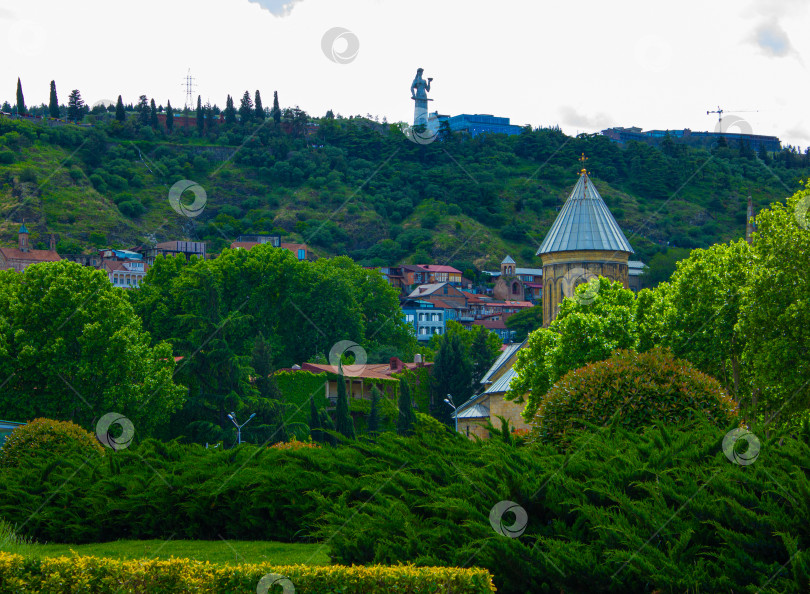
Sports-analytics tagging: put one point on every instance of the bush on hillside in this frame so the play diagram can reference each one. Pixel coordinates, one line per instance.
(46, 438)
(638, 389)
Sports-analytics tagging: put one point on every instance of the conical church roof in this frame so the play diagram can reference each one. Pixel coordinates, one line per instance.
(585, 223)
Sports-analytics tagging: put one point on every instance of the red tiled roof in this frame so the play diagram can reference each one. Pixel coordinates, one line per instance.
(32, 255)
(510, 304)
(491, 324)
(293, 247)
(245, 245)
(439, 268)
(112, 265)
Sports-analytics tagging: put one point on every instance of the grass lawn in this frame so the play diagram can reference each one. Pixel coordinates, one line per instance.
(215, 551)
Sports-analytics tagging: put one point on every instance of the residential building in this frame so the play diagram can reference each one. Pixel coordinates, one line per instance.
(360, 379)
(426, 318)
(22, 256)
(125, 268)
(299, 250)
(418, 274)
(490, 403)
(686, 136)
(172, 248)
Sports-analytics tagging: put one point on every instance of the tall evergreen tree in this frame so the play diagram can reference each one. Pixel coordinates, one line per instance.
(451, 374)
(200, 116)
(230, 112)
(276, 108)
(120, 114)
(314, 421)
(153, 119)
(343, 420)
(270, 405)
(53, 102)
(374, 415)
(75, 110)
(328, 425)
(169, 116)
(20, 99)
(259, 109)
(246, 108)
(762, 153)
(208, 110)
(406, 418)
(143, 110)
(480, 354)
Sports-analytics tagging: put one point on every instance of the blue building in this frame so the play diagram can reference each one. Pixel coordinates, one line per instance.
(700, 139)
(475, 124)
(425, 317)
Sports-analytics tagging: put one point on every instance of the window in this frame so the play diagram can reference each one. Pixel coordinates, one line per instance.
(445, 290)
(409, 318)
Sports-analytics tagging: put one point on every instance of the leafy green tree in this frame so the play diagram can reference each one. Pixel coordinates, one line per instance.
(276, 108)
(20, 99)
(169, 116)
(153, 119)
(774, 313)
(230, 112)
(246, 108)
(259, 113)
(75, 110)
(451, 374)
(525, 321)
(72, 348)
(406, 418)
(374, 414)
(200, 116)
(120, 114)
(343, 420)
(53, 102)
(482, 354)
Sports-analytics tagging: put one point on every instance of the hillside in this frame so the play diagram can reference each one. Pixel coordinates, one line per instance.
(353, 186)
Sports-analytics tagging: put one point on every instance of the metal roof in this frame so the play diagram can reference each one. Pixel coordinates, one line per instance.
(507, 260)
(502, 358)
(585, 223)
(475, 411)
(23, 229)
(502, 385)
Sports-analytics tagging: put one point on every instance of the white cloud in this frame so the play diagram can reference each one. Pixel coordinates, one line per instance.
(279, 8)
(572, 117)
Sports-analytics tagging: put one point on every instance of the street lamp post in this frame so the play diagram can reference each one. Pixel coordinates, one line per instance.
(232, 417)
(449, 401)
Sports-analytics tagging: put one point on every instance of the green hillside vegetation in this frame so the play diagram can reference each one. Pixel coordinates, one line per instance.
(357, 187)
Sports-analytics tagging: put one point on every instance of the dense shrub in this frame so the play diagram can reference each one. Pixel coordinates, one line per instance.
(46, 438)
(627, 512)
(638, 389)
(109, 576)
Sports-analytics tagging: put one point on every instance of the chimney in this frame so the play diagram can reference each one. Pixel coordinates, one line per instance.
(417, 358)
(395, 364)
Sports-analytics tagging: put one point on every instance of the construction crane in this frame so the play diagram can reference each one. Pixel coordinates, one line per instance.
(719, 111)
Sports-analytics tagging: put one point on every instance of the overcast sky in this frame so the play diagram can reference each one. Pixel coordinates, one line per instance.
(583, 65)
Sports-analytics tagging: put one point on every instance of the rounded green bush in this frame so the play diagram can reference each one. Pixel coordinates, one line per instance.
(638, 389)
(45, 438)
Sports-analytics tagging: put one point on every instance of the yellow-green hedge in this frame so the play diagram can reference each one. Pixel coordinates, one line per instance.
(95, 575)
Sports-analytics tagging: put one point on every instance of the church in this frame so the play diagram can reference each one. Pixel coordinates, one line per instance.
(22, 256)
(584, 242)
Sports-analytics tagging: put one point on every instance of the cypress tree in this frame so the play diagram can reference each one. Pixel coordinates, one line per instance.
(343, 420)
(374, 415)
(451, 374)
(314, 420)
(246, 108)
(53, 103)
(20, 98)
(75, 109)
(276, 108)
(406, 418)
(258, 107)
(153, 119)
(143, 110)
(230, 112)
(169, 116)
(120, 114)
(328, 425)
(200, 116)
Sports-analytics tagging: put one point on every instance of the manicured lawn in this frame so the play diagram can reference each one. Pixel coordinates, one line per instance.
(215, 551)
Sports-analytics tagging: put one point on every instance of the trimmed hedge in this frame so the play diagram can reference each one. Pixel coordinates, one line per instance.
(639, 389)
(46, 438)
(94, 575)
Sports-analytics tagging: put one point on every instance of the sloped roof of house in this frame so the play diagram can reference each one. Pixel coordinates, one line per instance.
(440, 268)
(369, 370)
(502, 383)
(491, 324)
(31, 255)
(585, 223)
(508, 260)
(423, 290)
(505, 355)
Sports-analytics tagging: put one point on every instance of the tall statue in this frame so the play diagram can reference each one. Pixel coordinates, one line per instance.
(419, 91)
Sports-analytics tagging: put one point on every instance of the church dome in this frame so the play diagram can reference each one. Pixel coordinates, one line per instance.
(585, 223)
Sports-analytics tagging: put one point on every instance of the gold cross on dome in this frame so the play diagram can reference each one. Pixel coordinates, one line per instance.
(582, 160)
